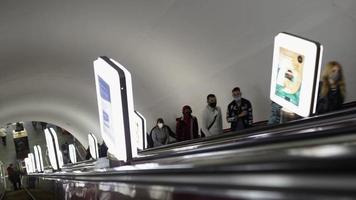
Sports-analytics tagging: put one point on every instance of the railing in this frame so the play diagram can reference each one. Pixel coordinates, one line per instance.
(304, 129)
(81, 151)
(312, 158)
(3, 185)
(308, 172)
(257, 127)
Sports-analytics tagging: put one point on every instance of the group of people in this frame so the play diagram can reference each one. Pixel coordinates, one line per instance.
(239, 115)
(332, 92)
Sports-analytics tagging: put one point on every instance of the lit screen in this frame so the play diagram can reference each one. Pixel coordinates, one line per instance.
(93, 146)
(295, 73)
(72, 153)
(50, 147)
(28, 165)
(140, 129)
(111, 107)
(33, 162)
(39, 150)
(37, 159)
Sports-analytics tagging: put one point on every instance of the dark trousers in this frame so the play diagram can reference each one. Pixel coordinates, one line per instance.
(16, 185)
(3, 140)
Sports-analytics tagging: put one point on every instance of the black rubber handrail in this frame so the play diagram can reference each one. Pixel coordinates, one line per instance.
(295, 130)
(347, 107)
(276, 160)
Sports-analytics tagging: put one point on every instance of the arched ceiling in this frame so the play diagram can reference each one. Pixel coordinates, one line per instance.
(177, 51)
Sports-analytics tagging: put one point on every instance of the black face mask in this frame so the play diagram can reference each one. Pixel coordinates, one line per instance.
(186, 113)
(213, 105)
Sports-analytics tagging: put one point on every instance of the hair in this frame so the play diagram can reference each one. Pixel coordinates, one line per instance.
(210, 96)
(325, 79)
(160, 120)
(236, 89)
(186, 107)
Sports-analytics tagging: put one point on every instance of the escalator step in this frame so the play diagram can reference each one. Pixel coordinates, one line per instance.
(17, 195)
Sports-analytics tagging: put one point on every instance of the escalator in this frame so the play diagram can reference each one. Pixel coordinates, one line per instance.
(326, 128)
(312, 158)
(22, 194)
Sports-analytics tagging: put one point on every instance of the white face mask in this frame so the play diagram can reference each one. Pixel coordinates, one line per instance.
(335, 77)
(238, 98)
(160, 125)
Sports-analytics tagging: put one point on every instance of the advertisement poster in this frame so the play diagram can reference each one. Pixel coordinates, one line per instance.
(105, 105)
(115, 107)
(289, 76)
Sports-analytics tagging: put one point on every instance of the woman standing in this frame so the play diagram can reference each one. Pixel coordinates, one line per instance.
(332, 89)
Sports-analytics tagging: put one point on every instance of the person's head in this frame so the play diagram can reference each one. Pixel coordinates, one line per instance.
(187, 110)
(236, 94)
(332, 75)
(211, 100)
(11, 165)
(160, 123)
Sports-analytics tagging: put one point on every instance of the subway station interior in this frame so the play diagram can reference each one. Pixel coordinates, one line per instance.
(178, 99)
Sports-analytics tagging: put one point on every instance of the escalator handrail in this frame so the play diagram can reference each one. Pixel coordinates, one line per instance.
(282, 159)
(78, 145)
(278, 133)
(83, 163)
(347, 108)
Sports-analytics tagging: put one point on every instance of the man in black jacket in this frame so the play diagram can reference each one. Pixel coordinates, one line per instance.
(239, 111)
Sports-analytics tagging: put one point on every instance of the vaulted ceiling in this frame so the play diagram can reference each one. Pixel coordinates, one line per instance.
(178, 51)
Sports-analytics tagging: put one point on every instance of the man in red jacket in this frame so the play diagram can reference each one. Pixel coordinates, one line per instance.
(187, 125)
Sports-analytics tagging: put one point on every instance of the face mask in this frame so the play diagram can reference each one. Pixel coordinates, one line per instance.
(187, 113)
(213, 105)
(335, 76)
(238, 98)
(160, 125)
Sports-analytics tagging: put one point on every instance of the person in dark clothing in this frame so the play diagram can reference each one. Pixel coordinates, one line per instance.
(149, 140)
(14, 176)
(88, 154)
(19, 127)
(43, 125)
(332, 90)
(161, 134)
(276, 112)
(103, 150)
(65, 152)
(239, 111)
(187, 125)
(11, 175)
(17, 178)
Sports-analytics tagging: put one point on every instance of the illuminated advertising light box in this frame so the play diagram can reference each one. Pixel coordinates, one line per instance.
(72, 153)
(295, 73)
(51, 150)
(28, 165)
(56, 144)
(93, 146)
(33, 162)
(39, 150)
(116, 107)
(37, 159)
(55, 155)
(141, 134)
